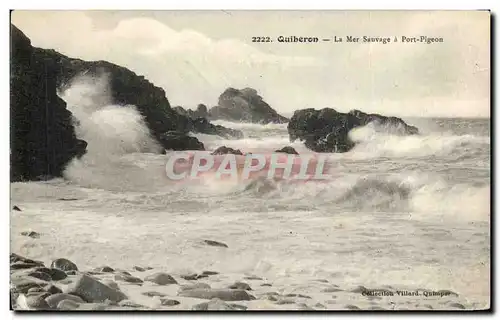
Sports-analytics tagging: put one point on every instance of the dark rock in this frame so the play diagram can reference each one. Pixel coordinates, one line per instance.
(16, 208)
(266, 285)
(55, 274)
(359, 289)
(215, 243)
(52, 289)
(193, 276)
(153, 294)
(334, 289)
(161, 279)
(17, 258)
(21, 265)
(34, 106)
(212, 305)
(127, 278)
(226, 295)
(209, 273)
(67, 199)
(226, 150)
(169, 302)
(136, 268)
(67, 305)
(104, 269)
(64, 265)
(124, 272)
(71, 273)
(22, 284)
(91, 290)
(253, 278)
(319, 305)
(244, 105)
(54, 299)
(40, 275)
(202, 125)
(326, 130)
(295, 295)
(201, 276)
(240, 286)
(176, 141)
(289, 150)
(194, 286)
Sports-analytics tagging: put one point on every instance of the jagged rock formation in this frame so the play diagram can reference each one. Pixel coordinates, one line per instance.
(244, 105)
(42, 135)
(326, 130)
(200, 112)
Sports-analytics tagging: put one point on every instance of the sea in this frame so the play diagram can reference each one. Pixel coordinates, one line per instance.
(400, 211)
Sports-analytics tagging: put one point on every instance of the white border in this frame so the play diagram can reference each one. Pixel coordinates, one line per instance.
(180, 5)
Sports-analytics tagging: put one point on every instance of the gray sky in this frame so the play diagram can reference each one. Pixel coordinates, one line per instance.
(195, 55)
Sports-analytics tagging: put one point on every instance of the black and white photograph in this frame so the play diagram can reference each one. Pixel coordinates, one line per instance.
(250, 160)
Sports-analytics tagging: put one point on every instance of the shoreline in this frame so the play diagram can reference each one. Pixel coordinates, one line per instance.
(60, 286)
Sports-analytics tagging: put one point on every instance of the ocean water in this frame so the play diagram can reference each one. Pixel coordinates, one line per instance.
(399, 211)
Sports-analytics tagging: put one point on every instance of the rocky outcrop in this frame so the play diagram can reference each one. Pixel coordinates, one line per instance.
(200, 112)
(244, 105)
(202, 125)
(326, 130)
(198, 123)
(42, 135)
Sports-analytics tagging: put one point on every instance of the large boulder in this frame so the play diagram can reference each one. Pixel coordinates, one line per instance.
(244, 105)
(178, 141)
(42, 135)
(326, 130)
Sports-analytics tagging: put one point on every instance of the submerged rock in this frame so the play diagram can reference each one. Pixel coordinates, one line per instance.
(215, 243)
